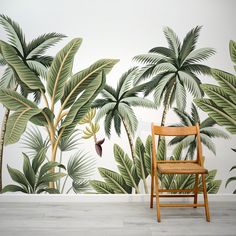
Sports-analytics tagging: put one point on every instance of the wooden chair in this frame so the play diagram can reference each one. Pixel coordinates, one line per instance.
(178, 167)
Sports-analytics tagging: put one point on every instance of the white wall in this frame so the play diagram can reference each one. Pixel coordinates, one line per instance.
(122, 29)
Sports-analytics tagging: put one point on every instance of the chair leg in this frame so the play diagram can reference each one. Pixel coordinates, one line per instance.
(196, 191)
(152, 188)
(205, 198)
(157, 198)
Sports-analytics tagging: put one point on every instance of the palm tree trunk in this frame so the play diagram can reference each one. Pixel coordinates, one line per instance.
(3, 132)
(163, 119)
(131, 144)
(167, 105)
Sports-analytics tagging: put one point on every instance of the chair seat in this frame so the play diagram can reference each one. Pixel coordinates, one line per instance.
(181, 168)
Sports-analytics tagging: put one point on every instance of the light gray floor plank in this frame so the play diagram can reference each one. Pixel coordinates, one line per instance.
(105, 219)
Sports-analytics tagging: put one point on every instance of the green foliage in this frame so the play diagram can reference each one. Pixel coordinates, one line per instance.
(184, 181)
(221, 104)
(126, 167)
(101, 187)
(115, 181)
(80, 168)
(231, 179)
(76, 92)
(61, 69)
(173, 70)
(35, 176)
(127, 179)
(34, 141)
(30, 55)
(207, 132)
(116, 104)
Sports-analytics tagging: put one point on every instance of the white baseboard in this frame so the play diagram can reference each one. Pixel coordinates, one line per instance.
(101, 198)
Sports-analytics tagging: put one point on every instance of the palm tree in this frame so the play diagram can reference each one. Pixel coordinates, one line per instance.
(207, 132)
(33, 55)
(117, 104)
(173, 70)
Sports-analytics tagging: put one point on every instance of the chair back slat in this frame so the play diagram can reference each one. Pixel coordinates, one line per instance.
(174, 131)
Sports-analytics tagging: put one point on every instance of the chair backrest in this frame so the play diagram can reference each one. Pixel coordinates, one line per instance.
(176, 131)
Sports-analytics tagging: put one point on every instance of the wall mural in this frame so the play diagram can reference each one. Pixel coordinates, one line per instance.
(39, 89)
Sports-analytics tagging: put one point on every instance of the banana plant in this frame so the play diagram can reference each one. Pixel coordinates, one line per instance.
(221, 104)
(128, 178)
(34, 56)
(36, 175)
(75, 92)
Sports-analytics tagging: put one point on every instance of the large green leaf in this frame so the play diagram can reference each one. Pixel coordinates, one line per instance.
(28, 171)
(148, 154)
(225, 80)
(48, 166)
(19, 177)
(114, 180)
(26, 75)
(14, 101)
(81, 80)
(50, 177)
(124, 166)
(101, 187)
(96, 85)
(17, 122)
(61, 69)
(83, 109)
(13, 188)
(41, 119)
(232, 50)
(39, 159)
(218, 95)
(140, 159)
(216, 113)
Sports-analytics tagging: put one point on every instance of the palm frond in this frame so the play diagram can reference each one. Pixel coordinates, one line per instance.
(208, 122)
(180, 96)
(129, 117)
(71, 142)
(39, 45)
(214, 132)
(150, 58)
(189, 42)
(8, 80)
(164, 51)
(137, 101)
(191, 84)
(34, 141)
(14, 33)
(199, 55)
(208, 142)
(80, 166)
(194, 114)
(173, 41)
(104, 110)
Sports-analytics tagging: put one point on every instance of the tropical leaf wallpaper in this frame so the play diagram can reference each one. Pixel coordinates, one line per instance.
(80, 129)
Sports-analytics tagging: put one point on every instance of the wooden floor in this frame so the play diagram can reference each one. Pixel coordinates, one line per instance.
(34, 219)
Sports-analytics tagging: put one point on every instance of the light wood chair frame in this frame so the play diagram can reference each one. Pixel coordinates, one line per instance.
(177, 131)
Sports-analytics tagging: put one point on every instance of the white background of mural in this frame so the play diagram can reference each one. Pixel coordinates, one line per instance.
(122, 29)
